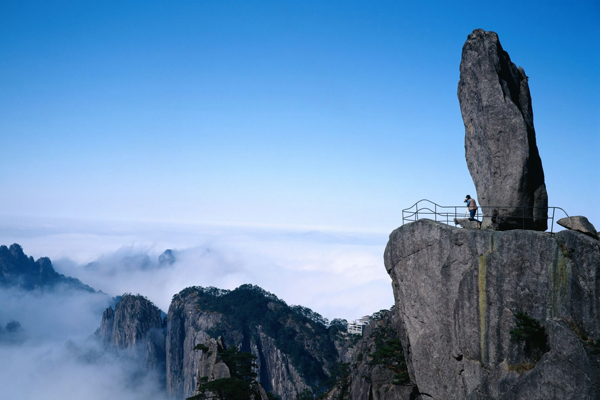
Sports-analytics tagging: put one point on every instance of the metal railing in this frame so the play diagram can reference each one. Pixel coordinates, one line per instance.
(446, 214)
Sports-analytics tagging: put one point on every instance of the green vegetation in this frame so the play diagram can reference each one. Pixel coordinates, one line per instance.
(340, 378)
(305, 395)
(241, 385)
(532, 334)
(381, 313)
(389, 353)
(202, 347)
(273, 396)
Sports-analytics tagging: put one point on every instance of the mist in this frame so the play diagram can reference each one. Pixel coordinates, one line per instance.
(337, 274)
(56, 355)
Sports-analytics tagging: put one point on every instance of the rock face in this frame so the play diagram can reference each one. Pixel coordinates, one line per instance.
(580, 224)
(372, 379)
(135, 327)
(467, 223)
(458, 292)
(500, 143)
(186, 328)
(293, 351)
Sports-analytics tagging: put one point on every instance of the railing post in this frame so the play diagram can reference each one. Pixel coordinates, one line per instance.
(435, 213)
(552, 226)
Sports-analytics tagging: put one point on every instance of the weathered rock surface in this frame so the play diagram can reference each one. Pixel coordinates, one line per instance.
(135, 327)
(376, 381)
(500, 143)
(186, 328)
(579, 223)
(193, 319)
(467, 223)
(278, 380)
(457, 292)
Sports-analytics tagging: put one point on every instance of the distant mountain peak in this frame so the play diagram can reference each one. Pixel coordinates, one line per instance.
(18, 270)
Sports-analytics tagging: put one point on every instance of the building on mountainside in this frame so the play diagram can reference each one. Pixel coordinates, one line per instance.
(356, 327)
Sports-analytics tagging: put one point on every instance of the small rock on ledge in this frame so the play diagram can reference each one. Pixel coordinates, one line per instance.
(467, 223)
(579, 223)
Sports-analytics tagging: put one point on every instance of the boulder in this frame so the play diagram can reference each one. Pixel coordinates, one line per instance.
(579, 223)
(500, 145)
(458, 292)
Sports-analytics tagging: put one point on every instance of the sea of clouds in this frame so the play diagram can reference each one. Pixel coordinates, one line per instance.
(54, 354)
(337, 274)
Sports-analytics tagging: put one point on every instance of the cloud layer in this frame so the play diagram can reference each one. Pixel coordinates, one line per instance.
(337, 274)
(57, 356)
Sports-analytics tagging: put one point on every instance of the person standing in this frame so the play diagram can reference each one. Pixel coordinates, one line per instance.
(471, 206)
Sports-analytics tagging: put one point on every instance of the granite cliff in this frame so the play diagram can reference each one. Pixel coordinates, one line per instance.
(377, 369)
(295, 350)
(500, 142)
(461, 294)
(135, 327)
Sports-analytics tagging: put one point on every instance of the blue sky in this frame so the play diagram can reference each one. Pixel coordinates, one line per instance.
(332, 114)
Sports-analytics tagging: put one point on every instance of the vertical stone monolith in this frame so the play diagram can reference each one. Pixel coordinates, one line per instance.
(500, 144)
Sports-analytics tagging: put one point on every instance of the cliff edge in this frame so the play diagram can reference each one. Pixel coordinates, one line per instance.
(466, 299)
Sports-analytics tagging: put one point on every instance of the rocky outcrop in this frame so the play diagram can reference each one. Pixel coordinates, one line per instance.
(293, 353)
(580, 224)
(18, 270)
(13, 333)
(279, 380)
(372, 377)
(167, 258)
(467, 223)
(187, 328)
(500, 144)
(135, 328)
(458, 293)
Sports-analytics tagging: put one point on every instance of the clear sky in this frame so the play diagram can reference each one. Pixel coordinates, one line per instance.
(288, 113)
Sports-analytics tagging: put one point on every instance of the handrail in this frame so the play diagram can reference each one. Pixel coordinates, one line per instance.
(447, 214)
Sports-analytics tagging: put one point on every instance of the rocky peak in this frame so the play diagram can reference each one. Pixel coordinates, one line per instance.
(166, 258)
(500, 144)
(135, 325)
(293, 347)
(13, 333)
(16, 269)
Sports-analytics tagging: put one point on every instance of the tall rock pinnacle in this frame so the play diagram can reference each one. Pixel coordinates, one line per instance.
(500, 145)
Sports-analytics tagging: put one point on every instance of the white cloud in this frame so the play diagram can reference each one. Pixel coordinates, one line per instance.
(59, 359)
(311, 268)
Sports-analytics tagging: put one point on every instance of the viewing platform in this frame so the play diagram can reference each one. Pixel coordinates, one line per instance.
(519, 216)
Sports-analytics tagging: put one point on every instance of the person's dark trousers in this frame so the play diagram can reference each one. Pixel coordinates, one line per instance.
(472, 215)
